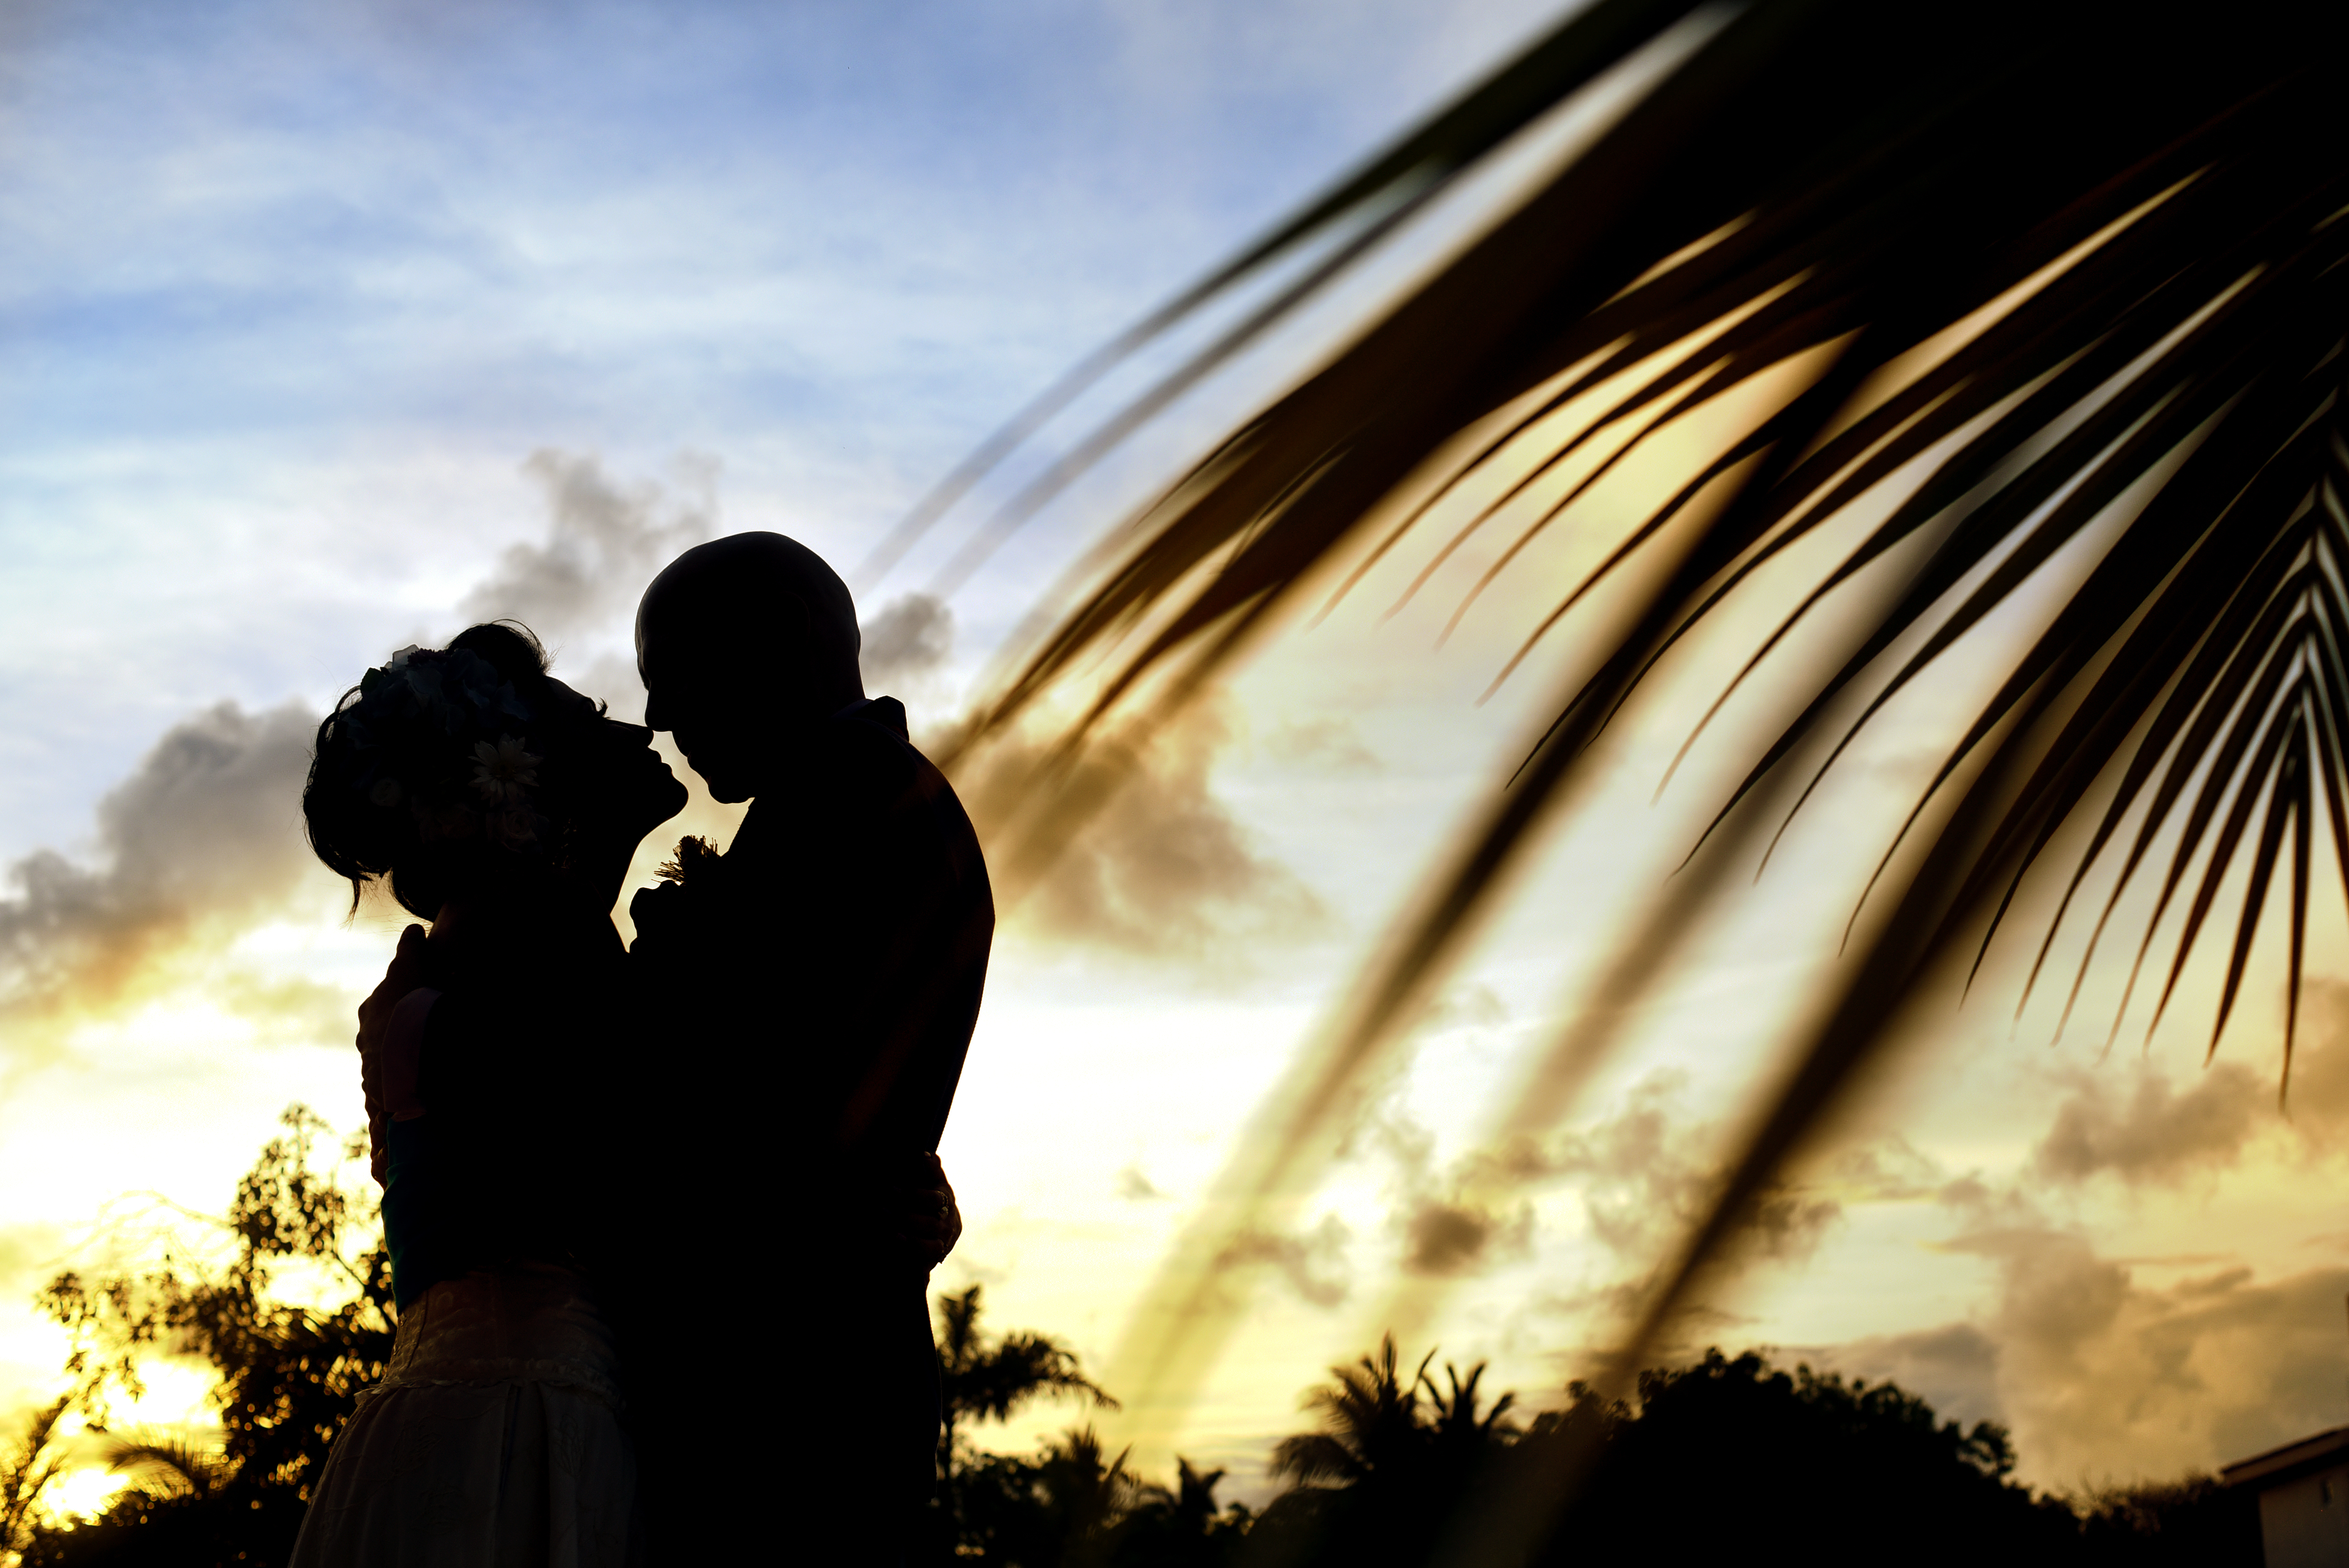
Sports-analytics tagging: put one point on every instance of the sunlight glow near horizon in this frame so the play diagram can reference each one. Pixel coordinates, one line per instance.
(254, 474)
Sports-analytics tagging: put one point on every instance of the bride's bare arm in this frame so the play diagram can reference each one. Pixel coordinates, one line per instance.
(405, 974)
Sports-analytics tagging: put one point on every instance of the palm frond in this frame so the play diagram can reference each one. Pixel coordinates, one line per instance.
(175, 1463)
(2080, 263)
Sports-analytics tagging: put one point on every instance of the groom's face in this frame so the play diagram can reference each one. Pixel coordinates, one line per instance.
(696, 696)
(733, 680)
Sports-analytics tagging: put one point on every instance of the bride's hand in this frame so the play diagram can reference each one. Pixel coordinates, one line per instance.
(931, 1223)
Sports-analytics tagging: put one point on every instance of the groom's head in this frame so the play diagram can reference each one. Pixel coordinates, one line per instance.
(740, 642)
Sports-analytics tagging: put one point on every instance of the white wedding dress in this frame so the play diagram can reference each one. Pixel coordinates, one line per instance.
(494, 1440)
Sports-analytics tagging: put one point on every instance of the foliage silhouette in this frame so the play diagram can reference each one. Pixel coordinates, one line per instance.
(2075, 270)
(34, 1461)
(1072, 1503)
(984, 1381)
(1392, 1464)
(1706, 1460)
(288, 1376)
(1712, 1463)
(2170, 1524)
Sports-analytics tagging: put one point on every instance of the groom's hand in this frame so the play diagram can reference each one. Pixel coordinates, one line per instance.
(931, 1223)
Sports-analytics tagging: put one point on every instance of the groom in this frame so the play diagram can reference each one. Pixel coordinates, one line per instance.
(826, 974)
(806, 1001)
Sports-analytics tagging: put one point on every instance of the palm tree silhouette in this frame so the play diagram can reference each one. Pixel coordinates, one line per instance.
(1371, 1424)
(1087, 1497)
(177, 1466)
(984, 1379)
(2062, 286)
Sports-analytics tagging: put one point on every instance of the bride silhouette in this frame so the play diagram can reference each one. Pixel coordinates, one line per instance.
(748, 1100)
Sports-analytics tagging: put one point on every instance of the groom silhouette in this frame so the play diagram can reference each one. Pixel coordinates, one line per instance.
(820, 980)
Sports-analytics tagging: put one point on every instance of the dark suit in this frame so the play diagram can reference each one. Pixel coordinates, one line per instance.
(808, 1001)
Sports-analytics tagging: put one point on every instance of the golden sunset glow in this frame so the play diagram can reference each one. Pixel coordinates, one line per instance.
(414, 321)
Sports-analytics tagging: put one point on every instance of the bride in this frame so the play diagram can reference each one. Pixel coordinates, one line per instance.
(519, 1201)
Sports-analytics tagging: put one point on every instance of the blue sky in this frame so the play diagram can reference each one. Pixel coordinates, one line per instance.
(288, 283)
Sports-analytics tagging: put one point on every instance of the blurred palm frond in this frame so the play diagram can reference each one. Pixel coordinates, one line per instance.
(2080, 265)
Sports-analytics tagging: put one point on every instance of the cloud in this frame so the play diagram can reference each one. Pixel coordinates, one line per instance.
(1641, 1176)
(1889, 1170)
(2156, 1135)
(2143, 1131)
(2175, 1364)
(1314, 1263)
(1134, 1186)
(603, 545)
(1130, 851)
(1443, 1238)
(1332, 744)
(2213, 1367)
(202, 839)
(909, 639)
(1954, 1367)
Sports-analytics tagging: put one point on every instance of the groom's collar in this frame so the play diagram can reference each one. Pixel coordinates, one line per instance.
(886, 711)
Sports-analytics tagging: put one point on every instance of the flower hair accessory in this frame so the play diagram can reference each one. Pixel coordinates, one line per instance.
(504, 772)
(436, 734)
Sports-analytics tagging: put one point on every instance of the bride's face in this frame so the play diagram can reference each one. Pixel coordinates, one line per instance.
(622, 785)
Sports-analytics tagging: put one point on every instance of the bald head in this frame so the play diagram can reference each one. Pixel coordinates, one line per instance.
(741, 641)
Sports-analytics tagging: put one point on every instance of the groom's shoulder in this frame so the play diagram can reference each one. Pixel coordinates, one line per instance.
(890, 777)
(874, 755)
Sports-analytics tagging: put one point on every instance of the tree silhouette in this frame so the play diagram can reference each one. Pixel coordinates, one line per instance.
(173, 1466)
(1394, 1460)
(37, 1458)
(1371, 1424)
(981, 1379)
(1182, 1527)
(288, 1376)
(1718, 1462)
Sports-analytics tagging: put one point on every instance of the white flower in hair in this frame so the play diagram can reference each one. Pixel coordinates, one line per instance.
(385, 792)
(504, 772)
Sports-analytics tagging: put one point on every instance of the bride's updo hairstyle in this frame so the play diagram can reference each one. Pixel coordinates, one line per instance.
(446, 767)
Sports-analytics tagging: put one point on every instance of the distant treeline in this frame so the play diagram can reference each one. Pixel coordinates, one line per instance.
(1721, 1461)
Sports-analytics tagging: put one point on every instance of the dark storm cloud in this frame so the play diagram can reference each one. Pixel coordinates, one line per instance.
(206, 834)
(604, 543)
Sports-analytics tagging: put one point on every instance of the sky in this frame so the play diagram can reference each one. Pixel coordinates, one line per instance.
(329, 328)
